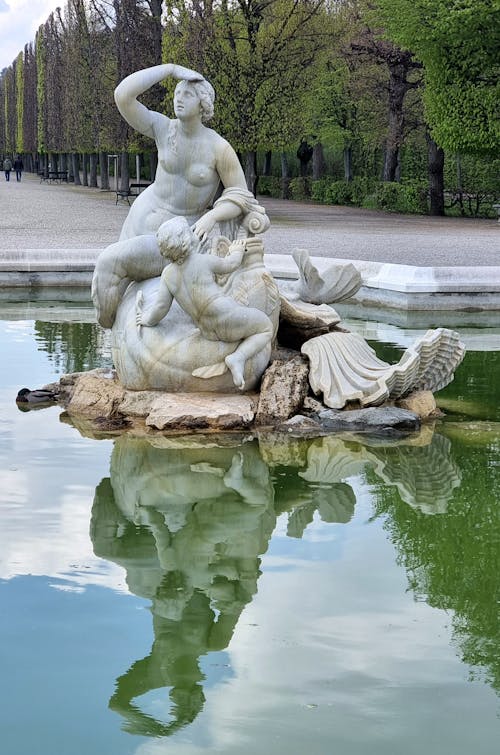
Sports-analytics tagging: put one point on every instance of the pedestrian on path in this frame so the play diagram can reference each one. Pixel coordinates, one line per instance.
(18, 167)
(7, 166)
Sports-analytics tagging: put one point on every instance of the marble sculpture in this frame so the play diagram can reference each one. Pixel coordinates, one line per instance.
(185, 291)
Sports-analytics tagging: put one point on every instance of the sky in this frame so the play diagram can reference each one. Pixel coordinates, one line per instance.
(19, 21)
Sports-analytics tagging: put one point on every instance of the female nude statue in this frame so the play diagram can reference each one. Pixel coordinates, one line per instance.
(193, 160)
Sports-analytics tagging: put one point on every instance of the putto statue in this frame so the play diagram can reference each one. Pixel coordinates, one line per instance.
(193, 311)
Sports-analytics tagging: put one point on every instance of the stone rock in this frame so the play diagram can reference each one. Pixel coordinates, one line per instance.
(300, 321)
(95, 394)
(372, 419)
(421, 403)
(283, 390)
(313, 405)
(138, 403)
(200, 411)
(300, 425)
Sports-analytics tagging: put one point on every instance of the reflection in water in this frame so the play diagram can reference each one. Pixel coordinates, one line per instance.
(189, 520)
(188, 525)
(453, 561)
(74, 346)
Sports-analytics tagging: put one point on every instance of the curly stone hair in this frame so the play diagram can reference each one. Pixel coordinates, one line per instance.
(206, 95)
(175, 239)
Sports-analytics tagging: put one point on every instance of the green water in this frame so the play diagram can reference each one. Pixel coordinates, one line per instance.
(248, 595)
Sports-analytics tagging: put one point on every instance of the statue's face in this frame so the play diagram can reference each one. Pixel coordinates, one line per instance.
(186, 101)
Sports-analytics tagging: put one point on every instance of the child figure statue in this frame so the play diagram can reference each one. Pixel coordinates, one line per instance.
(191, 281)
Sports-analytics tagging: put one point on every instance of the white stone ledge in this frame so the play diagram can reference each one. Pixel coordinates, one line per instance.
(403, 278)
(383, 283)
(48, 260)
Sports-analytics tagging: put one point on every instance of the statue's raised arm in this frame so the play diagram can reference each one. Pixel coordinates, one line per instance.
(127, 91)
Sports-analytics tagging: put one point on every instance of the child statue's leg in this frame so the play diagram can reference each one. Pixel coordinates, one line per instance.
(250, 345)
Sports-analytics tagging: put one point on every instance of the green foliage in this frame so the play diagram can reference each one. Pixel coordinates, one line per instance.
(40, 90)
(329, 191)
(409, 197)
(258, 56)
(458, 42)
(472, 185)
(300, 188)
(269, 186)
(19, 103)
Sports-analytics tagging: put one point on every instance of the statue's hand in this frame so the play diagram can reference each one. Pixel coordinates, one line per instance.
(193, 76)
(204, 225)
(238, 245)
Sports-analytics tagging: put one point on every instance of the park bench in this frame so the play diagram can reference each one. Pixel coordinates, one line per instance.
(53, 175)
(133, 191)
(58, 175)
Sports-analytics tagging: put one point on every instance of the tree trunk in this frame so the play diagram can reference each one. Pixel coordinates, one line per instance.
(71, 176)
(318, 162)
(398, 87)
(103, 170)
(435, 166)
(93, 171)
(266, 168)
(348, 163)
(85, 170)
(285, 177)
(75, 161)
(251, 171)
(124, 171)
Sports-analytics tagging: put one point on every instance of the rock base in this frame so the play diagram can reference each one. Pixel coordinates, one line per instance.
(97, 403)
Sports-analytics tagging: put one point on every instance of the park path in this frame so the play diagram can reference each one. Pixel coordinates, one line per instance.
(42, 216)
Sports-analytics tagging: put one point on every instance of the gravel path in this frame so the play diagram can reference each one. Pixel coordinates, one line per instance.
(36, 215)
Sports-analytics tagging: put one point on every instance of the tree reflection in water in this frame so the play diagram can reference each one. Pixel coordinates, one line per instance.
(453, 560)
(189, 519)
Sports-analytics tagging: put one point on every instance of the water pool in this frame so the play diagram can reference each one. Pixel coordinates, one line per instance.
(249, 594)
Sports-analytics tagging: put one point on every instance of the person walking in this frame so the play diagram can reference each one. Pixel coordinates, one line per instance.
(18, 167)
(7, 166)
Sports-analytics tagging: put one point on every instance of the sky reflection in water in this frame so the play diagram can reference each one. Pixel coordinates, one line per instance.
(236, 597)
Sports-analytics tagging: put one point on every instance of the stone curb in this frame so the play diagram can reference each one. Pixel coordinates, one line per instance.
(399, 286)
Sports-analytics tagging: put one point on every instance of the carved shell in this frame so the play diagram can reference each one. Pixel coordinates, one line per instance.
(345, 368)
(336, 283)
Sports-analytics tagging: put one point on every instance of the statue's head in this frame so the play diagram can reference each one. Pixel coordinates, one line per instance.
(175, 239)
(205, 94)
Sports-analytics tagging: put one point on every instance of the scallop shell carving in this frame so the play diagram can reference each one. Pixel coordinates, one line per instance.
(336, 283)
(344, 368)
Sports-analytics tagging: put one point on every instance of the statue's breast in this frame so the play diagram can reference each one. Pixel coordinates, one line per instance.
(200, 174)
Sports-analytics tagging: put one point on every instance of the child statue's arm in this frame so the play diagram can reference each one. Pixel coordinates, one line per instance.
(232, 261)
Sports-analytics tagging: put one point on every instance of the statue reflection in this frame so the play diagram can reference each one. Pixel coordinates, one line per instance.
(189, 520)
(188, 525)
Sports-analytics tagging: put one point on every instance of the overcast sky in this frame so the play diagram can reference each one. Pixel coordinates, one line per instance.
(19, 20)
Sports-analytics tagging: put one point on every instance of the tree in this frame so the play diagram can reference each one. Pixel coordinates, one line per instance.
(30, 105)
(258, 56)
(403, 76)
(457, 41)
